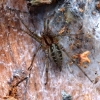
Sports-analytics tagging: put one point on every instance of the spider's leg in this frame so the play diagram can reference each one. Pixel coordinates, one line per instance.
(67, 33)
(21, 81)
(69, 56)
(47, 65)
(45, 25)
(30, 33)
(30, 67)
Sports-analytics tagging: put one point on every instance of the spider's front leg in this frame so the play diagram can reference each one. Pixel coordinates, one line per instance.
(27, 31)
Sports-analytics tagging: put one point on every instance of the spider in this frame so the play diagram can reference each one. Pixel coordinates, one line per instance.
(53, 50)
(49, 44)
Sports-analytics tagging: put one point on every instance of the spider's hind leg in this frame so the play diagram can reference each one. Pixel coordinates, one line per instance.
(69, 56)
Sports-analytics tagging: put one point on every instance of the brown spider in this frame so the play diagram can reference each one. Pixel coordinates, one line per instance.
(49, 44)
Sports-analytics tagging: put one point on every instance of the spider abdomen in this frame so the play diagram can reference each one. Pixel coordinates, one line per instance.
(56, 55)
